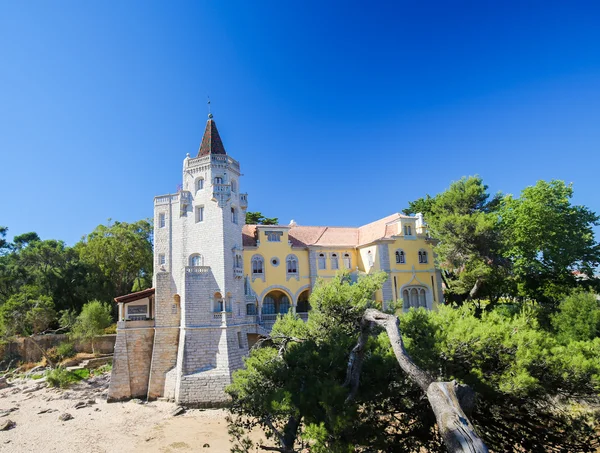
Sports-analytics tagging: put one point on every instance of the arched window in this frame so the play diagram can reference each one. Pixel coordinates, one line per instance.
(268, 306)
(284, 304)
(347, 261)
(196, 260)
(407, 230)
(370, 258)
(400, 258)
(257, 265)
(238, 262)
(218, 303)
(292, 264)
(233, 186)
(334, 261)
(250, 309)
(414, 296)
(422, 256)
(199, 184)
(322, 261)
(218, 180)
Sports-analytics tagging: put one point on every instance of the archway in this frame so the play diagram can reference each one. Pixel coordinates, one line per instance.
(303, 305)
(275, 303)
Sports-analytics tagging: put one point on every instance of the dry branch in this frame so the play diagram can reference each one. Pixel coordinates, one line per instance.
(447, 399)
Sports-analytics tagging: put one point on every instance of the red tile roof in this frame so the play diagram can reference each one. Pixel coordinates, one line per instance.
(325, 236)
(135, 296)
(211, 140)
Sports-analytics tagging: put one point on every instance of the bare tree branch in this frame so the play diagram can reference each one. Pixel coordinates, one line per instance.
(445, 398)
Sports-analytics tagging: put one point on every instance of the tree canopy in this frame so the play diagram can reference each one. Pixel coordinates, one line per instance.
(256, 218)
(295, 386)
(538, 246)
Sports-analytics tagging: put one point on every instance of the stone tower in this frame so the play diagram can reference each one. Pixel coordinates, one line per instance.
(200, 323)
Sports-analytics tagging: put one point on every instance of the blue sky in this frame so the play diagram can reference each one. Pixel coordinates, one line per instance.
(339, 112)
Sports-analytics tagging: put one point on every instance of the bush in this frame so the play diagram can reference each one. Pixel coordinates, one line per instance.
(65, 350)
(91, 322)
(110, 330)
(59, 377)
(578, 318)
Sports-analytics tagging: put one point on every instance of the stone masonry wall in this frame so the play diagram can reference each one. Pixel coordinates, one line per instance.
(131, 363)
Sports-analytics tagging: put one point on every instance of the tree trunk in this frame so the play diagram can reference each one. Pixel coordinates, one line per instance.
(445, 398)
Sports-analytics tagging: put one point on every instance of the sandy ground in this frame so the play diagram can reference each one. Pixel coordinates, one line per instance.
(102, 427)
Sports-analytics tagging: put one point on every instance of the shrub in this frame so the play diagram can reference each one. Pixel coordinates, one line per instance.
(578, 318)
(110, 330)
(59, 377)
(65, 350)
(91, 322)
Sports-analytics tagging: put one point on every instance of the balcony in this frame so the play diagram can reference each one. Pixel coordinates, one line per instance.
(219, 314)
(238, 272)
(197, 269)
(243, 200)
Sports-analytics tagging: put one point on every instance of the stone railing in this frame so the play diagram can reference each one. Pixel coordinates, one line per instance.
(164, 199)
(197, 269)
(238, 272)
(219, 314)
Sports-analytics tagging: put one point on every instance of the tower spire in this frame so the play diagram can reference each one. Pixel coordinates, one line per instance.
(211, 141)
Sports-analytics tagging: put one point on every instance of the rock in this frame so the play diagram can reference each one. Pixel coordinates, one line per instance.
(8, 424)
(44, 411)
(80, 405)
(91, 401)
(64, 417)
(137, 401)
(3, 383)
(178, 411)
(206, 446)
(35, 388)
(5, 412)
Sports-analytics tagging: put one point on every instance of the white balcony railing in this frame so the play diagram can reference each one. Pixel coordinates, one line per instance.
(197, 269)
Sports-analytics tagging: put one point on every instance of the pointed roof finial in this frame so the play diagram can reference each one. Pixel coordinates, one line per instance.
(210, 115)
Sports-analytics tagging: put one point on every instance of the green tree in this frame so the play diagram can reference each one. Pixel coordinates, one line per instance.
(578, 317)
(123, 254)
(256, 218)
(91, 322)
(550, 242)
(295, 384)
(4, 245)
(465, 222)
(27, 313)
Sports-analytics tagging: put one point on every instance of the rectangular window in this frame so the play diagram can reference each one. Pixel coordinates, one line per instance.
(347, 261)
(274, 236)
(199, 214)
(407, 230)
(322, 262)
(240, 343)
(161, 220)
(334, 261)
(161, 259)
(233, 215)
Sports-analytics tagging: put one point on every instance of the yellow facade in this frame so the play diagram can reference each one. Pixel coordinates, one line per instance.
(322, 252)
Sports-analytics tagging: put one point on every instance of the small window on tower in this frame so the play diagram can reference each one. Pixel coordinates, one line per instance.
(199, 214)
(200, 184)
(233, 186)
(274, 236)
(161, 220)
(161, 259)
(233, 215)
(218, 180)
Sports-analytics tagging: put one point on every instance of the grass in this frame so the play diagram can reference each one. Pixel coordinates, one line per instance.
(63, 378)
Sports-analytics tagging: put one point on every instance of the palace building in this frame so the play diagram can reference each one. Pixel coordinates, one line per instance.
(219, 284)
